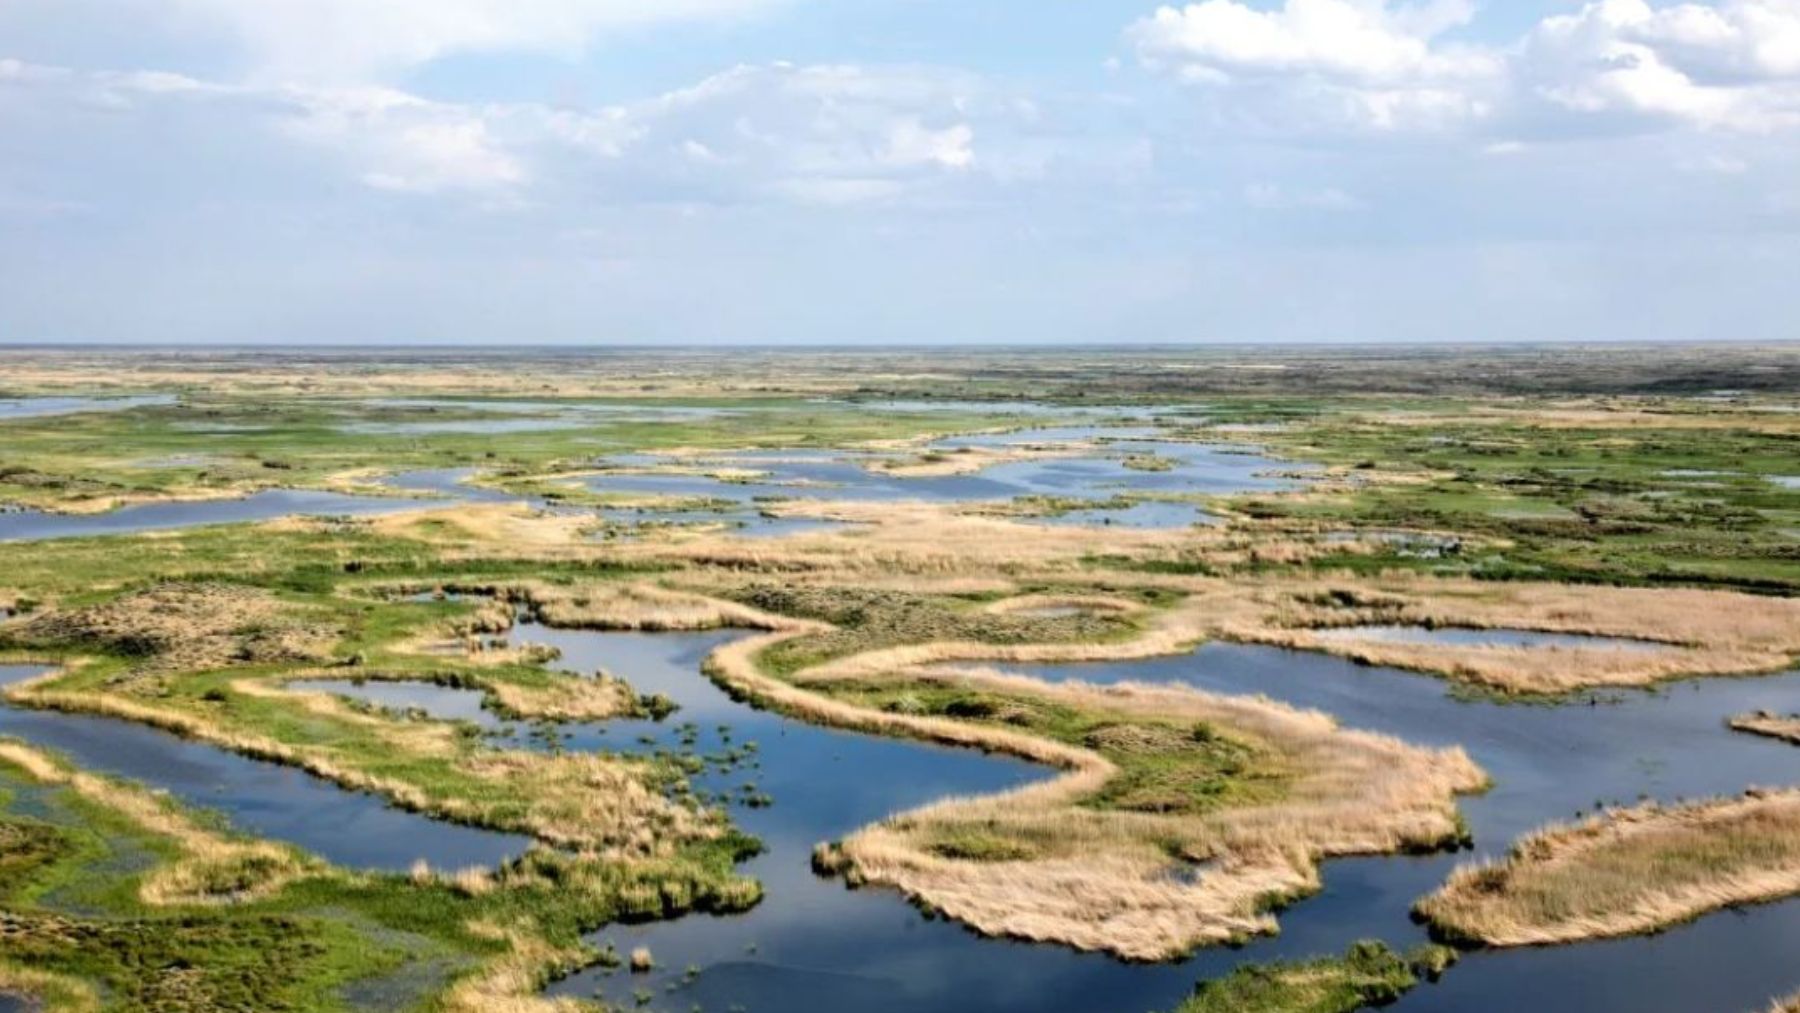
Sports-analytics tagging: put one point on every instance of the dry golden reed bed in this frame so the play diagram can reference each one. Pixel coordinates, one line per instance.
(1104, 879)
(1626, 871)
(1772, 725)
(1707, 632)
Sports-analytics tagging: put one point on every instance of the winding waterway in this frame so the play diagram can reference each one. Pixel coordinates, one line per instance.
(349, 828)
(814, 945)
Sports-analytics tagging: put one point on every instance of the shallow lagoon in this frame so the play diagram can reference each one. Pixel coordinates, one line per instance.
(352, 829)
(28, 525)
(39, 407)
(1099, 476)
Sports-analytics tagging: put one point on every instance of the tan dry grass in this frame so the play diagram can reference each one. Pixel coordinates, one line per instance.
(1627, 871)
(512, 983)
(1773, 726)
(1708, 632)
(515, 526)
(1104, 879)
(1113, 888)
(1079, 602)
(191, 627)
(49, 993)
(975, 459)
(633, 607)
(1623, 414)
(915, 539)
(1172, 631)
(251, 869)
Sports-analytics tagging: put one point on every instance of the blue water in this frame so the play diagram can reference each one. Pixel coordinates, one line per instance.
(1099, 475)
(29, 525)
(1455, 636)
(355, 830)
(39, 407)
(491, 417)
(814, 945)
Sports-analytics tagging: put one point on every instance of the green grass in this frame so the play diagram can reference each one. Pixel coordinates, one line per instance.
(68, 905)
(258, 442)
(1581, 504)
(1370, 974)
(1164, 766)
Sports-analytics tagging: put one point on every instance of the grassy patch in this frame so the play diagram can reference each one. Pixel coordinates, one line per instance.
(1370, 974)
(1166, 767)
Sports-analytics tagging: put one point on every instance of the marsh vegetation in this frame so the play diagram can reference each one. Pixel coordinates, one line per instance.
(1613, 528)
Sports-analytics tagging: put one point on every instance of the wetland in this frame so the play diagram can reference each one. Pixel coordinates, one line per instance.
(555, 683)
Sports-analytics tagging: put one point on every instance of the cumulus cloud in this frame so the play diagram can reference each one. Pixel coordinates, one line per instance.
(1734, 66)
(1219, 40)
(1612, 66)
(1356, 62)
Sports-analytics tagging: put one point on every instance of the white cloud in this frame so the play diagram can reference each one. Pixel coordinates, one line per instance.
(1346, 62)
(397, 142)
(1353, 40)
(1733, 66)
(832, 135)
(1612, 66)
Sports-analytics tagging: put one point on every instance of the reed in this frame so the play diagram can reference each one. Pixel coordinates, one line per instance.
(212, 868)
(1774, 726)
(1626, 871)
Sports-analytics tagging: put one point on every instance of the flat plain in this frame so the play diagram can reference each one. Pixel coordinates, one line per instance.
(1066, 680)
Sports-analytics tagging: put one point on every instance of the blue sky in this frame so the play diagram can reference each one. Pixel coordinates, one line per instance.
(898, 171)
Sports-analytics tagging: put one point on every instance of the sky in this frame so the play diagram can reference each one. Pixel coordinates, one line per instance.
(532, 172)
